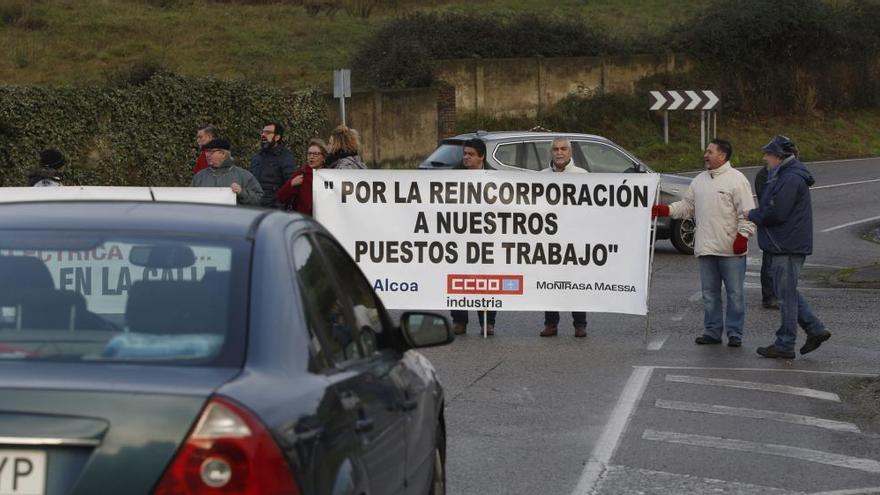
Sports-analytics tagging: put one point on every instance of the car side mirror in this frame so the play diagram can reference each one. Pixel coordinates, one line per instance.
(637, 168)
(423, 329)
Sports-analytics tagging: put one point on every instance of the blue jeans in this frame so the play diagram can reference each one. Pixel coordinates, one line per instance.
(785, 270)
(731, 270)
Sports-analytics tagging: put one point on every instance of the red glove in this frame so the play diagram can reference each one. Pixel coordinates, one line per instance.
(659, 211)
(740, 244)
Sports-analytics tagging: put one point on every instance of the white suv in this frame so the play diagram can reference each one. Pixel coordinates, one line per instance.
(531, 151)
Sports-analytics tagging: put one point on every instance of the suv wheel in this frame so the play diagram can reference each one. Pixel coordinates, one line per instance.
(683, 235)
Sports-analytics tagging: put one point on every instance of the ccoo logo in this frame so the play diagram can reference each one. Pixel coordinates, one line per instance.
(484, 284)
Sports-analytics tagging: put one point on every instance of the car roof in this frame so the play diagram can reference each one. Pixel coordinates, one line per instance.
(166, 217)
(504, 135)
(212, 195)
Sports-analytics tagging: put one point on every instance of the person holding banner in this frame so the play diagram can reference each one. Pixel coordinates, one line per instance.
(296, 193)
(561, 161)
(473, 158)
(716, 199)
(223, 172)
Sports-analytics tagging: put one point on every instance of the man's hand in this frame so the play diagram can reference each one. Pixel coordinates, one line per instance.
(235, 188)
(659, 211)
(296, 181)
(746, 214)
(740, 244)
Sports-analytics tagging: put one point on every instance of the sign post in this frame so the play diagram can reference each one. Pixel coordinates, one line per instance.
(705, 101)
(342, 89)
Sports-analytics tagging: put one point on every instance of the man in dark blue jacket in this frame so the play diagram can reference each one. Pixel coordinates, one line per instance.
(785, 232)
(273, 164)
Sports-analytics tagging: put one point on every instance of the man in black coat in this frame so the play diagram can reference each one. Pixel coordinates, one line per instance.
(273, 164)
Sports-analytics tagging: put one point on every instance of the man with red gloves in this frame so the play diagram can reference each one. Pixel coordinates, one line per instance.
(716, 199)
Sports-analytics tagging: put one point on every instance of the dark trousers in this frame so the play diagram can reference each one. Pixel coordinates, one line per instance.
(459, 316)
(767, 294)
(579, 318)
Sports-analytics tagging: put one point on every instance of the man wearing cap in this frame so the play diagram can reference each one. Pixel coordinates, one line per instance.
(473, 158)
(203, 136)
(562, 162)
(51, 171)
(716, 199)
(224, 173)
(785, 220)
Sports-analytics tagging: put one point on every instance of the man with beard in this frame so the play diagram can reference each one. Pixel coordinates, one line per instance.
(273, 164)
(785, 232)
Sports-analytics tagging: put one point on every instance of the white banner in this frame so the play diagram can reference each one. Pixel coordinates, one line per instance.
(490, 240)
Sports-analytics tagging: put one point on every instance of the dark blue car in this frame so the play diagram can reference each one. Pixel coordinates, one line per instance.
(173, 348)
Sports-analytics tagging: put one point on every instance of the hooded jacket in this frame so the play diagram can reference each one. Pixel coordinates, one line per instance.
(225, 175)
(716, 199)
(785, 214)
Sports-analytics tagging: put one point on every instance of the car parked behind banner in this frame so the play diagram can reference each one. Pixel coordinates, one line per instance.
(169, 348)
(531, 151)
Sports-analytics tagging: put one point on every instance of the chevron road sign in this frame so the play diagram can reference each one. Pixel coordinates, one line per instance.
(684, 100)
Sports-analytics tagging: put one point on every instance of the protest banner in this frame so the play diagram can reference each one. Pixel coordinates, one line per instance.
(491, 240)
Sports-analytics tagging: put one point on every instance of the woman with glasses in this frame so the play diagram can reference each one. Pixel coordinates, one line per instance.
(296, 193)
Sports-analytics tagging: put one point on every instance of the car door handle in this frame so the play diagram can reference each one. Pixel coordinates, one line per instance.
(363, 425)
(410, 401)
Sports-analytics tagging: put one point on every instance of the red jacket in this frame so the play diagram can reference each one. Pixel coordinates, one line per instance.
(299, 197)
(201, 162)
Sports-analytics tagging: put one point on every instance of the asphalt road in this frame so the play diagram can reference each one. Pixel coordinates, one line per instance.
(619, 413)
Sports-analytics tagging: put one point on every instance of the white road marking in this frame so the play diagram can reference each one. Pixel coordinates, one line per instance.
(842, 184)
(766, 370)
(696, 296)
(809, 455)
(828, 424)
(753, 274)
(607, 443)
(763, 387)
(850, 224)
(852, 491)
(657, 342)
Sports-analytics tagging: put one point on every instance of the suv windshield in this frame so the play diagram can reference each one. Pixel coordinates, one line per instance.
(448, 155)
(105, 297)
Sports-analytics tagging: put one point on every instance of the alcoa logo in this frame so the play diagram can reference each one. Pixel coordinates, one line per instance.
(484, 284)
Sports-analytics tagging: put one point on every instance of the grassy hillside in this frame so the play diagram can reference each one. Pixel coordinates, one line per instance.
(81, 41)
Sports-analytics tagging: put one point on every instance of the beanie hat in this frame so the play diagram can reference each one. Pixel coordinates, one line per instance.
(476, 144)
(52, 159)
(217, 144)
(780, 146)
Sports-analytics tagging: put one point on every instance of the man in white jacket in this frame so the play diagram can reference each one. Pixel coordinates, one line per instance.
(562, 162)
(716, 199)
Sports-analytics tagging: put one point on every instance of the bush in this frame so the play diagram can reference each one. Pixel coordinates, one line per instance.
(789, 55)
(143, 135)
(406, 46)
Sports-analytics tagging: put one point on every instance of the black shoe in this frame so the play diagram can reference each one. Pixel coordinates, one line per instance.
(705, 339)
(772, 352)
(813, 342)
(734, 342)
(770, 304)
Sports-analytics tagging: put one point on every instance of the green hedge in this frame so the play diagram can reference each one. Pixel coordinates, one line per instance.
(788, 56)
(143, 134)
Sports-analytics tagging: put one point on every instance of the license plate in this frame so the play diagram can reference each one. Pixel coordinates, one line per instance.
(22, 472)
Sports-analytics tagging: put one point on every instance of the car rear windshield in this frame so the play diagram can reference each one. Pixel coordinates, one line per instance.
(107, 297)
(447, 155)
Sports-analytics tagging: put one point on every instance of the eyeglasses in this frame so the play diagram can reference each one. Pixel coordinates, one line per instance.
(315, 153)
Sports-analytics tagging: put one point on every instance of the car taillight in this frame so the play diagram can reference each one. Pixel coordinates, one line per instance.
(228, 451)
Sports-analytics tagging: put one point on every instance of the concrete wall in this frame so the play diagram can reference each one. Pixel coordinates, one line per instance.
(402, 127)
(399, 127)
(515, 86)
